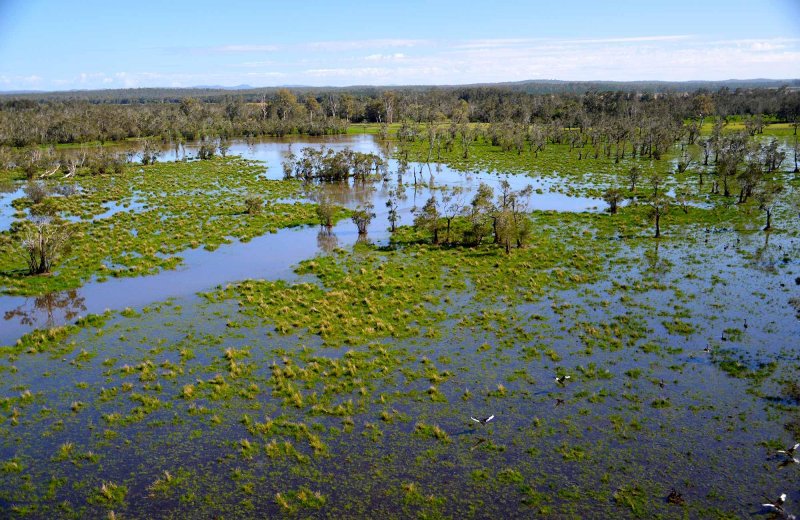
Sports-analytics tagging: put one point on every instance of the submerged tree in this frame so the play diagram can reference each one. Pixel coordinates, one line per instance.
(480, 220)
(634, 174)
(327, 164)
(452, 206)
(659, 206)
(362, 217)
(427, 218)
(149, 151)
(511, 223)
(732, 151)
(612, 196)
(224, 146)
(37, 191)
(208, 148)
(684, 162)
(682, 199)
(392, 206)
(767, 198)
(42, 244)
(326, 210)
(749, 178)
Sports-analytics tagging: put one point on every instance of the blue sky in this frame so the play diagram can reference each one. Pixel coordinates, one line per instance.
(59, 45)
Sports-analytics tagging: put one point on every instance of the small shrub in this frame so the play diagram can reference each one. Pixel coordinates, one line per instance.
(253, 204)
(36, 191)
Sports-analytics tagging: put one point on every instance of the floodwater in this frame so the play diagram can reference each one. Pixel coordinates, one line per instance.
(7, 212)
(635, 422)
(273, 255)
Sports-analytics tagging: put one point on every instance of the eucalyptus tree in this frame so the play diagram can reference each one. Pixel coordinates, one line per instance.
(706, 146)
(462, 127)
(224, 146)
(767, 198)
(326, 211)
(479, 214)
(703, 105)
(537, 138)
(659, 206)
(773, 155)
(361, 217)
(452, 206)
(286, 103)
(149, 152)
(684, 161)
(732, 152)
(43, 243)
(692, 129)
(392, 206)
(312, 107)
(754, 124)
(389, 104)
(634, 174)
(612, 197)
(510, 220)
(682, 198)
(750, 177)
(428, 218)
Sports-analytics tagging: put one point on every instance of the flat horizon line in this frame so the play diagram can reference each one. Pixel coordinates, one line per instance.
(406, 85)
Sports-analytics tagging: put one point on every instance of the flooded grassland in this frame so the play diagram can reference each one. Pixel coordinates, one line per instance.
(304, 373)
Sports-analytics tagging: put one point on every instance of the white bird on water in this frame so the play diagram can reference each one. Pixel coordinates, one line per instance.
(790, 457)
(483, 420)
(790, 450)
(777, 507)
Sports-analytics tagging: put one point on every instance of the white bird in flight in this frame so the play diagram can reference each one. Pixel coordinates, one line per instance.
(484, 420)
(790, 450)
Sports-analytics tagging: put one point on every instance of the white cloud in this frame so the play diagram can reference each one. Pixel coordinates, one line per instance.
(659, 57)
(245, 48)
(347, 45)
(255, 64)
(385, 57)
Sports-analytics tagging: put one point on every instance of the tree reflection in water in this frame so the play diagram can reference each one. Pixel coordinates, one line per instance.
(62, 306)
(327, 240)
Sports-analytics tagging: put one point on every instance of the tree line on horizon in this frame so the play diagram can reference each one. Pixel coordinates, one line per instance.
(29, 121)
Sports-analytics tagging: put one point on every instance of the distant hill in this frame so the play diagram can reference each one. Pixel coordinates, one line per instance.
(223, 87)
(539, 86)
(579, 87)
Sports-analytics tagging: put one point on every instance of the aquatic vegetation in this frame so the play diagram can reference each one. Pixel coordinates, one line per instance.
(109, 494)
(303, 498)
(201, 199)
(348, 389)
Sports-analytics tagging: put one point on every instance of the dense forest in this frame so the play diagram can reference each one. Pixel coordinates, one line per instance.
(177, 115)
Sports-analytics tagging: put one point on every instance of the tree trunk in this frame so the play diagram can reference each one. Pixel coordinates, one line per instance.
(658, 225)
